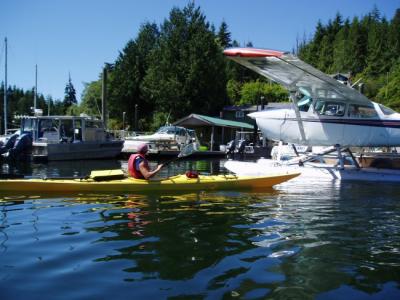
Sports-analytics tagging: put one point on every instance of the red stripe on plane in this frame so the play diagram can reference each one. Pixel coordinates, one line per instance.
(252, 52)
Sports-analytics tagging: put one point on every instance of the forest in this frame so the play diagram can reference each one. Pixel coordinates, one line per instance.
(176, 68)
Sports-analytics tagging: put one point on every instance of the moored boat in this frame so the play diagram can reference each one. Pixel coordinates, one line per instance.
(166, 138)
(64, 138)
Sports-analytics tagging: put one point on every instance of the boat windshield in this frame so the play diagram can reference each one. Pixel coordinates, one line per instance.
(170, 130)
(27, 125)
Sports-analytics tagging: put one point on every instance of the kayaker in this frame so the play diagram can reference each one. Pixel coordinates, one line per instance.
(138, 165)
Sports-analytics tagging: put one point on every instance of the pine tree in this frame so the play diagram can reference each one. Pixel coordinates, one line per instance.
(127, 76)
(394, 36)
(70, 94)
(357, 47)
(187, 71)
(224, 36)
(341, 49)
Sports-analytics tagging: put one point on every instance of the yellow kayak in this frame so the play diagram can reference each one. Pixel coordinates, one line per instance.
(131, 185)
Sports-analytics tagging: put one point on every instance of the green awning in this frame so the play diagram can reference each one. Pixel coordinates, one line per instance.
(195, 120)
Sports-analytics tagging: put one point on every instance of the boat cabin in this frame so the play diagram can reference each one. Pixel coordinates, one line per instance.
(64, 129)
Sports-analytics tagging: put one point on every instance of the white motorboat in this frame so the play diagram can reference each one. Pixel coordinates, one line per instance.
(166, 138)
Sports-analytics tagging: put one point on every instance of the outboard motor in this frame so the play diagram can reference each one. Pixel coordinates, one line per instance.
(230, 148)
(9, 144)
(242, 146)
(21, 145)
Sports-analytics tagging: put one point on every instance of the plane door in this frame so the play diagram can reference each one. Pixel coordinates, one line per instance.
(325, 126)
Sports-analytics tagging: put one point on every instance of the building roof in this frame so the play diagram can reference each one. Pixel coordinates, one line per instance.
(195, 120)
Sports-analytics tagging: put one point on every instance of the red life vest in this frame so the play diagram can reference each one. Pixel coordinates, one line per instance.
(132, 166)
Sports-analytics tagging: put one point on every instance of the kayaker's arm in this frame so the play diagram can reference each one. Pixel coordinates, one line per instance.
(145, 170)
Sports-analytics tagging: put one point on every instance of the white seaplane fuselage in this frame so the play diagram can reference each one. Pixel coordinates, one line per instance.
(377, 129)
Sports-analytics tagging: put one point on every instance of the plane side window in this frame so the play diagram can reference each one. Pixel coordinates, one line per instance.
(361, 111)
(304, 103)
(303, 97)
(330, 108)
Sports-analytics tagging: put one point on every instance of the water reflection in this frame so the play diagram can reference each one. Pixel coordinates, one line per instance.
(77, 168)
(164, 232)
(298, 241)
(348, 236)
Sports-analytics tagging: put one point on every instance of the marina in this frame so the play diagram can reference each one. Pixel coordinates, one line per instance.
(172, 159)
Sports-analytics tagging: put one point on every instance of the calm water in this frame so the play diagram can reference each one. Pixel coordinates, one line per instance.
(298, 241)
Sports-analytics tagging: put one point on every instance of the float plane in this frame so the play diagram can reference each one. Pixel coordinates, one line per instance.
(325, 112)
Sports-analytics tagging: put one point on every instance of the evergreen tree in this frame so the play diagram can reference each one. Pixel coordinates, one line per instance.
(70, 94)
(377, 59)
(128, 73)
(187, 70)
(357, 47)
(340, 50)
(367, 48)
(224, 36)
(394, 37)
(390, 93)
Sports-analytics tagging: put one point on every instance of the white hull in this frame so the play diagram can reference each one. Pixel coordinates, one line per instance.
(314, 172)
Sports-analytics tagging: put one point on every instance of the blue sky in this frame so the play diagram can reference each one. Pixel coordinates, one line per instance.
(78, 36)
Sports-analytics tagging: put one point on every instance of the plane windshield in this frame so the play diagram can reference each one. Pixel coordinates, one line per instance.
(361, 111)
(386, 111)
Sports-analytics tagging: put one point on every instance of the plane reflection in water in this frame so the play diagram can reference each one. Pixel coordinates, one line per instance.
(325, 112)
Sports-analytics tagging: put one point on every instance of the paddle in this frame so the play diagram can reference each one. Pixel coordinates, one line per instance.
(185, 152)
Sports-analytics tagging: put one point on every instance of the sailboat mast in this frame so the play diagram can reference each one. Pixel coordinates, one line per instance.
(5, 88)
(35, 95)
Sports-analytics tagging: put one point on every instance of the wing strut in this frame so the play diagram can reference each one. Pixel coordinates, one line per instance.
(298, 116)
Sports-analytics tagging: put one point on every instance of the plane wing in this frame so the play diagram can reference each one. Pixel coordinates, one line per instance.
(288, 70)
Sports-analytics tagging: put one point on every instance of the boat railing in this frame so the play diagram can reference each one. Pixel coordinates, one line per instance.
(125, 134)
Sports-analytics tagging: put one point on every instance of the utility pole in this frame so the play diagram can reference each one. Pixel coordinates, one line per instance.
(104, 97)
(123, 123)
(136, 116)
(5, 88)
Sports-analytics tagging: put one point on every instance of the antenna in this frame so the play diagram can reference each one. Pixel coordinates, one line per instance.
(5, 88)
